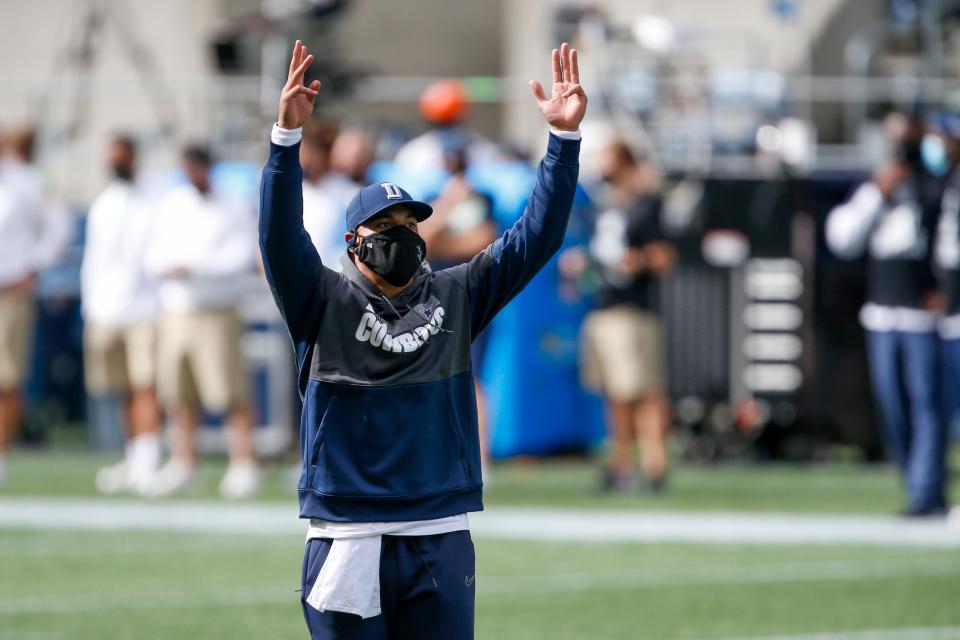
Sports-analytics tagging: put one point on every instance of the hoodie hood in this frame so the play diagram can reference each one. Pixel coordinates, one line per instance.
(412, 294)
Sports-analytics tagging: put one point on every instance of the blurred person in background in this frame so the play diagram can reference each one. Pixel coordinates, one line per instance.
(462, 226)
(56, 226)
(352, 154)
(34, 231)
(202, 250)
(892, 218)
(947, 256)
(326, 192)
(623, 353)
(444, 105)
(119, 304)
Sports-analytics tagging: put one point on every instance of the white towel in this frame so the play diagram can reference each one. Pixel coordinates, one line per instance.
(350, 578)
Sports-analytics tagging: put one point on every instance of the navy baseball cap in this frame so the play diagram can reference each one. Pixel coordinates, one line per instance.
(378, 197)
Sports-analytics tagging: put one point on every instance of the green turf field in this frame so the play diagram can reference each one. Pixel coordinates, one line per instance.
(87, 585)
(831, 488)
(179, 586)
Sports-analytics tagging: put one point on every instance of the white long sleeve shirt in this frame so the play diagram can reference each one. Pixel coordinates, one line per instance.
(893, 236)
(212, 237)
(115, 288)
(33, 229)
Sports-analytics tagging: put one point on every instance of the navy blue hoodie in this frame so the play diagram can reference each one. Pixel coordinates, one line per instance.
(389, 424)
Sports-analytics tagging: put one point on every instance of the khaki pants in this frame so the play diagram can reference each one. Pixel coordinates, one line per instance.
(16, 333)
(200, 361)
(622, 353)
(119, 358)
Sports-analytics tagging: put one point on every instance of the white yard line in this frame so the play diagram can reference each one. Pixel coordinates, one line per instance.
(51, 544)
(914, 633)
(773, 573)
(502, 585)
(574, 525)
(714, 528)
(60, 604)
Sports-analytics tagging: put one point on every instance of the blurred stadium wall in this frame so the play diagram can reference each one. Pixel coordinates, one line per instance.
(183, 70)
(805, 37)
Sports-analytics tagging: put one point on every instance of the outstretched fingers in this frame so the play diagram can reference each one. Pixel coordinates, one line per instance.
(565, 61)
(566, 73)
(298, 89)
(314, 91)
(294, 59)
(538, 90)
(297, 76)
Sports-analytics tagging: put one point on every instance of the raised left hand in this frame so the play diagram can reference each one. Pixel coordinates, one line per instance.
(297, 99)
(567, 103)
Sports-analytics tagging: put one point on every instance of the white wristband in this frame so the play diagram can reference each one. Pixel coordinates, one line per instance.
(566, 135)
(285, 137)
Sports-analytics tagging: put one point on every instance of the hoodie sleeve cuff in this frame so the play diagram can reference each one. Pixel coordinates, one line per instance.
(285, 137)
(564, 148)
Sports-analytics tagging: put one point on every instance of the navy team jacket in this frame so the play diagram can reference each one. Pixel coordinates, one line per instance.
(389, 424)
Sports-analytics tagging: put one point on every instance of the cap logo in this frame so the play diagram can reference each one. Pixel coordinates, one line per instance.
(393, 191)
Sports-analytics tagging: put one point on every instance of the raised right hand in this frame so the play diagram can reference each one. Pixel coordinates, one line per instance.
(296, 100)
(567, 103)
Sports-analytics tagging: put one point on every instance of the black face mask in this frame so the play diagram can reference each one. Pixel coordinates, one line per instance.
(394, 254)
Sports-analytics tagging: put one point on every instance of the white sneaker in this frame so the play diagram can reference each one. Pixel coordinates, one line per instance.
(141, 480)
(242, 480)
(112, 479)
(172, 477)
(144, 463)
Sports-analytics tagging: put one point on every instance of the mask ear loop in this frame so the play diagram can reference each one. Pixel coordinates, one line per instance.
(354, 242)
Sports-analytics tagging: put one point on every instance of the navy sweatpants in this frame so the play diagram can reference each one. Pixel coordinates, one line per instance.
(427, 591)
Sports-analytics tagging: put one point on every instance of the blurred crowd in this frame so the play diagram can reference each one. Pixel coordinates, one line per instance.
(165, 267)
(160, 280)
(164, 271)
